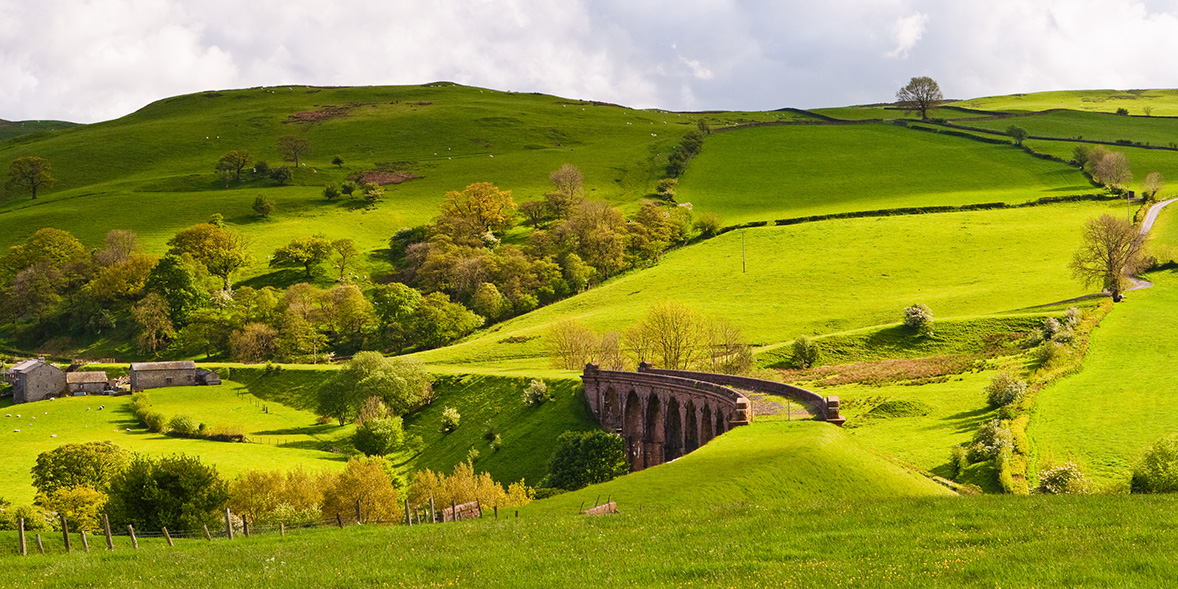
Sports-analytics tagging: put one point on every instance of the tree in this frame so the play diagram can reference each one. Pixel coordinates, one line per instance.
(263, 206)
(378, 436)
(666, 188)
(175, 281)
(373, 192)
(364, 483)
(177, 492)
(535, 211)
(281, 175)
(489, 208)
(1111, 248)
(807, 354)
(919, 318)
(1017, 133)
(401, 383)
(581, 459)
(439, 321)
(91, 464)
(221, 251)
(331, 191)
(54, 247)
(305, 252)
(293, 147)
(921, 94)
(1110, 168)
(235, 161)
(1153, 184)
(569, 182)
(155, 326)
(31, 173)
(1080, 155)
(253, 343)
(337, 161)
(345, 255)
(676, 334)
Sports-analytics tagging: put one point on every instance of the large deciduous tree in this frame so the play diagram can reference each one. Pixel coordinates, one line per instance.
(1112, 248)
(304, 252)
(293, 147)
(221, 251)
(483, 205)
(1110, 168)
(31, 173)
(177, 492)
(234, 162)
(586, 458)
(919, 95)
(401, 384)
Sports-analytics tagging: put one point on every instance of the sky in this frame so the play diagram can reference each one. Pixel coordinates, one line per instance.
(93, 60)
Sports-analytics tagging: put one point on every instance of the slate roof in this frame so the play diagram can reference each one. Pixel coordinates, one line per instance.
(179, 365)
(26, 366)
(85, 377)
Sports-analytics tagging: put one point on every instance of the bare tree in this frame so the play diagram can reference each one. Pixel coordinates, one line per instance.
(1153, 184)
(292, 147)
(571, 344)
(1111, 249)
(677, 334)
(1109, 168)
(919, 95)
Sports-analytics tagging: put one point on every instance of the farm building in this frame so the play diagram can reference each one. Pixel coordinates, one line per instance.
(86, 382)
(207, 377)
(152, 375)
(36, 380)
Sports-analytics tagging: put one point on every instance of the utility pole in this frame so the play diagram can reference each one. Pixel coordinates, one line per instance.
(743, 265)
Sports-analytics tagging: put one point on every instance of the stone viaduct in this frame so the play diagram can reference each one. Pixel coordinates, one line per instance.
(664, 414)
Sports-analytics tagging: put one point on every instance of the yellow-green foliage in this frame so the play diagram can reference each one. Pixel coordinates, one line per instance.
(464, 486)
(364, 481)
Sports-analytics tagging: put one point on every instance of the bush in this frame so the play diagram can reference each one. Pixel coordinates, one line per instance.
(366, 481)
(536, 393)
(36, 520)
(91, 464)
(1005, 389)
(958, 460)
(155, 421)
(708, 224)
(989, 441)
(1062, 480)
(1050, 329)
(806, 353)
(177, 491)
(585, 458)
(183, 426)
(1050, 353)
(450, 419)
(263, 206)
(379, 436)
(919, 318)
(1157, 470)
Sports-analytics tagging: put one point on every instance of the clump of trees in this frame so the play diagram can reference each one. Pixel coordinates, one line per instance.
(400, 384)
(463, 485)
(581, 459)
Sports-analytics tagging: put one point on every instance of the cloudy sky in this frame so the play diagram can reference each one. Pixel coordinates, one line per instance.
(93, 60)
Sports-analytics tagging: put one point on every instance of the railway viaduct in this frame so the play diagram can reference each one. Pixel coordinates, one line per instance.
(664, 414)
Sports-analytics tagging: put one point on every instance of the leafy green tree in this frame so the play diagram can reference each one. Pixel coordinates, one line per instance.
(396, 306)
(263, 206)
(481, 203)
(379, 436)
(281, 175)
(235, 161)
(337, 161)
(305, 252)
(31, 173)
(177, 492)
(91, 464)
(586, 458)
(373, 192)
(1017, 133)
(221, 251)
(331, 191)
(401, 383)
(345, 256)
(54, 247)
(806, 352)
(293, 147)
(440, 321)
(176, 282)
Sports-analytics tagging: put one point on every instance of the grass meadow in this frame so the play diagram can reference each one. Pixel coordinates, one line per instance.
(819, 278)
(1164, 102)
(769, 173)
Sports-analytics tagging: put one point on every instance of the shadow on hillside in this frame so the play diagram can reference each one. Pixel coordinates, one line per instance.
(968, 421)
(284, 278)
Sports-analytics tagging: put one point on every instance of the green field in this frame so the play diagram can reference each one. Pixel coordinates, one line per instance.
(825, 277)
(771, 173)
(1164, 102)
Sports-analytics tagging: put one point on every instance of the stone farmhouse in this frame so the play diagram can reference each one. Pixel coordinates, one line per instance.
(82, 383)
(152, 375)
(36, 380)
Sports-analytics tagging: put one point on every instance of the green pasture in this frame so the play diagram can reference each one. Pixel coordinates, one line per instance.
(283, 437)
(1163, 101)
(824, 277)
(887, 113)
(1089, 126)
(10, 129)
(769, 173)
(1141, 161)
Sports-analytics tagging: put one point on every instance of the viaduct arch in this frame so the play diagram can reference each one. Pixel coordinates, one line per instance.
(664, 414)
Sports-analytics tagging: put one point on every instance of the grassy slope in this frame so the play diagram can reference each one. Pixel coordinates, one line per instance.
(10, 129)
(769, 173)
(1164, 102)
(824, 277)
(1125, 396)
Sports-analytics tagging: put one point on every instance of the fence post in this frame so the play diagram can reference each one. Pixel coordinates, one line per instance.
(168, 537)
(208, 536)
(65, 533)
(85, 542)
(282, 529)
(432, 518)
(408, 520)
(134, 540)
(40, 546)
(24, 548)
(496, 512)
(453, 511)
(245, 526)
(110, 541)
(358, 519)
(339, 520)
(228, 524)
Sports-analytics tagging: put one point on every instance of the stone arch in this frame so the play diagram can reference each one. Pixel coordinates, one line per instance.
(690, 429)
(632, 430)
(653, 431)
(611, 410)
(721, 423)
(706, 417)
(673, 431)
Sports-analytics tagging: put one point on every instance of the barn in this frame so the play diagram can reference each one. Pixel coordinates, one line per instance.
(36, 380)
(86, 382)
(153, 375)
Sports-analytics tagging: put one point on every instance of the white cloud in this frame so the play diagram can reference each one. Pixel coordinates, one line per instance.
(906, 32)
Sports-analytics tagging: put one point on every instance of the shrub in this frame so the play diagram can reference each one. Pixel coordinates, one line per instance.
(379, 436)
(155, 422)
(1050, 353)
(91, 464)
(36, 520)
(257, 494)
(177, 491)
(900, 408)
(450, 419)
(496, 443)
(585, 458)
(1123, 111)
(366, 481)
(1063, 479)
(708, 224)
(464, 486)
(958, 460)
(989, 441)
(1005, 389)
(263, 206)
(262, 168)
(1157, 470)
(919, 318)
(1072, 318)
(1050, 329)
(182, 425)
(806, 353)
(81, 506)
(536, 393)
